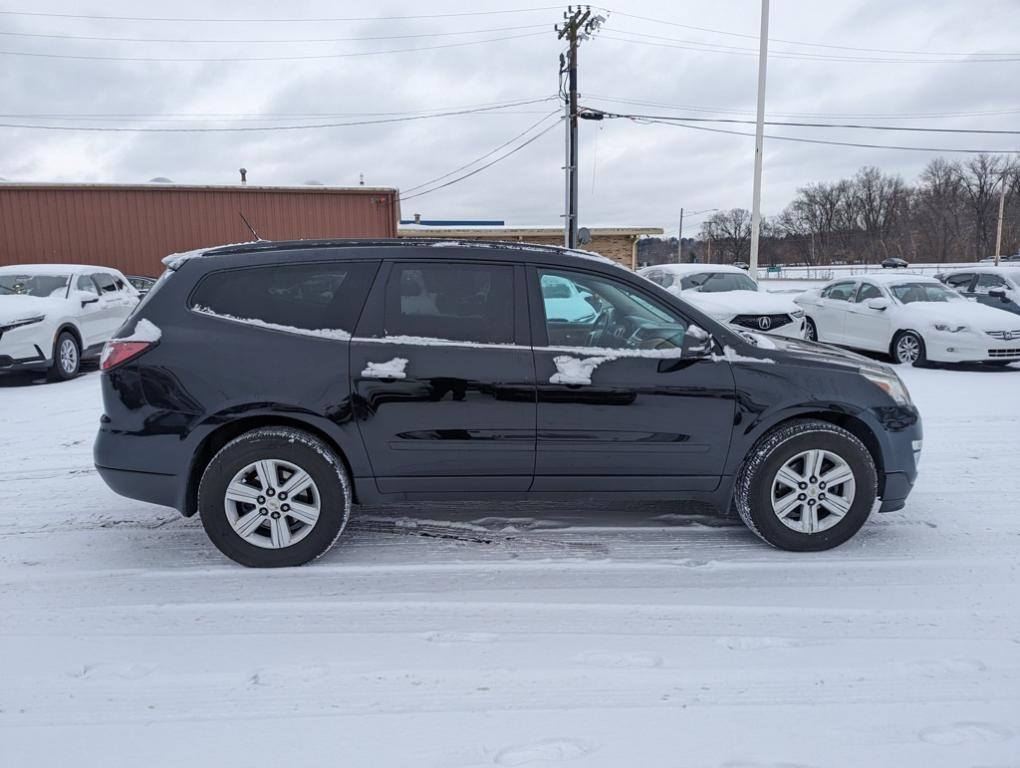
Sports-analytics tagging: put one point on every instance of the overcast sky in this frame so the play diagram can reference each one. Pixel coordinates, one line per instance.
(631, 174)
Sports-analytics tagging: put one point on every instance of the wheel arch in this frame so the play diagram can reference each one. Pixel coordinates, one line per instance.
(69, 327)
(211, 444)
(852, 423)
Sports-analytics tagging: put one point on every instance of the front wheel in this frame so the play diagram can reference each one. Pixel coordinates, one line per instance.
(908, 349)
(274, 497)
(66, 358)
(810, 331)
(807, 486)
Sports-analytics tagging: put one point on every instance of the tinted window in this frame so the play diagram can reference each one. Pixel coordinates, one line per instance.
(608, 313)
(987, 282)
(33, 285)
(959, 282)
(105, 282)
(324, 296)
(455, 302)
(839, 291)
(868, 291)
(85, 283)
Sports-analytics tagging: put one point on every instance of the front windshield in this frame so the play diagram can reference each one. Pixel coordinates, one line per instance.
(28, 284)
(909, 293)
(719, 282)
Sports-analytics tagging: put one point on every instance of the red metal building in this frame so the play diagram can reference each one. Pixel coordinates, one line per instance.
(132, 227)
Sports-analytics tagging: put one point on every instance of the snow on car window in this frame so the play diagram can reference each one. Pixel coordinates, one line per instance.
(719, 282)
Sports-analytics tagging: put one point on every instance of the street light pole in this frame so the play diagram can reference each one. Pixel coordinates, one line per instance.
(759, 137)
(998, 230)
(680, 240)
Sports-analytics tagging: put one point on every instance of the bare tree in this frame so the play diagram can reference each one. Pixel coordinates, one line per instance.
(731, 233)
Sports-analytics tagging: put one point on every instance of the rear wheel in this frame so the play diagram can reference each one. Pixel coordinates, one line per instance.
(908, 348)
(66, 358)
(274, 497)
(810, 331)
(807, 486)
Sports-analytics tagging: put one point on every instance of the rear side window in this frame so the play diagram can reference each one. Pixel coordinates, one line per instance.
(868, 291)
(309, 297)
(839, 291)
(454, 302)
(987, 282)
(105, 282)
(959, 282)
(84, 283)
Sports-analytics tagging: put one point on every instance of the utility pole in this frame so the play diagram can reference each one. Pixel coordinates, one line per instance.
(680, 240)
(998, 230)
(759, 138)
(578, 24)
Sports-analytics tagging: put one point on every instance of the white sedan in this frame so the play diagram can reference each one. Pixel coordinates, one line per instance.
(52, 316)
(729, 295)
(912, 318)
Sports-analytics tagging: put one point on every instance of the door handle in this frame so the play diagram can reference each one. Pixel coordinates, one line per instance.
(389, 370)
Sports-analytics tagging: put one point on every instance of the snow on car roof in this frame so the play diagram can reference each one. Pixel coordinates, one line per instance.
(1008, 268)
(690, 269)
(886, 278)
(47, 269)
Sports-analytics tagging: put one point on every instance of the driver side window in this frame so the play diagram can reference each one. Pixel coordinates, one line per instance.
(584, 310)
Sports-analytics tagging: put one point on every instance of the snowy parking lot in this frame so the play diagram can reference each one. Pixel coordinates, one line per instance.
(530, 634)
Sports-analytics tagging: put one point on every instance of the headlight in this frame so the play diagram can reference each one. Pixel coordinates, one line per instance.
(18, 323)
(950, 327)
(798, 313)
(889, 383)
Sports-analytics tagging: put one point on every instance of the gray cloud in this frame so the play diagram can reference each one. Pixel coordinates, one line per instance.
(630, 174)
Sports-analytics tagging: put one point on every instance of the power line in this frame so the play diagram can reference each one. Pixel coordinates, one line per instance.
(277, 20)
(831, 115)
(178, 59)
(833, 143)
(791, 124)
(731, 51)
(253, 128)
(805, 43)
(491, 152)
(513, 151)
(270, 41)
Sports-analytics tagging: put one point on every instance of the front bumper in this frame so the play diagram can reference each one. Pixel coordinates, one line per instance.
(970, 347)
(20, 349)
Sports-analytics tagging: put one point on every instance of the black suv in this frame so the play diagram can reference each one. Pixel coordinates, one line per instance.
(270, 386)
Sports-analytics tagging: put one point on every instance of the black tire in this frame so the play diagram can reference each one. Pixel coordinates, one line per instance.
(753, 489)
(65, 367)
(287, 444)
(811, 330)
(999, 363)
(897, 354)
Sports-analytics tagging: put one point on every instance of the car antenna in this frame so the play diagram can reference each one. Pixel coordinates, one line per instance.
(250, 227)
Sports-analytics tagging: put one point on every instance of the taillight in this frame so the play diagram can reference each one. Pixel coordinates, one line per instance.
(116, 352)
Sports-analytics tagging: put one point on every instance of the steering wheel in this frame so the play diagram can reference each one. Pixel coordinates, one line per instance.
(601, 327)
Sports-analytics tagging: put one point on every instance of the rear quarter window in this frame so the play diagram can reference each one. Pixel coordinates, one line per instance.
(308, 297)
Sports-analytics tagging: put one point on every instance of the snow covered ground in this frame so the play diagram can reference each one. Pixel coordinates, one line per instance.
(479, 635)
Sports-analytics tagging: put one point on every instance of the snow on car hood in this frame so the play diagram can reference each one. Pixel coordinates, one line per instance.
(22, 307)
(729, 303)
(976, 316)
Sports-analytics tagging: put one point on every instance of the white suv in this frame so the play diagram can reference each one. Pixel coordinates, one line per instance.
(52, 315)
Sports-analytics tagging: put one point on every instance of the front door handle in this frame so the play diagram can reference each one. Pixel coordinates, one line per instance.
(391, 369)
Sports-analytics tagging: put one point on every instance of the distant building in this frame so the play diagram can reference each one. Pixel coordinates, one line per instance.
(616, 243)
(133, 226)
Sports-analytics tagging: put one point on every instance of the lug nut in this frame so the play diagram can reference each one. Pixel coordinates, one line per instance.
(821, 484)
(275, 515)
(801, 496)
(285, 507)
(270, 492)
(802, 486)
(283, 495)
(811, 502)
(814, 479)
(263, 511)
(262, 499)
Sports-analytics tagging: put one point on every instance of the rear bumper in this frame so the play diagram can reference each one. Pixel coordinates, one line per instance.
(142, 486)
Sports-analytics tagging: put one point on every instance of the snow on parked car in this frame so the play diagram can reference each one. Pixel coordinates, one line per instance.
(997, 287)
(52, 316)
(911, 317)
(729, 295)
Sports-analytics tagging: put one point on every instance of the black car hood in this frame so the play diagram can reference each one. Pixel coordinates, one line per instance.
(809, 351)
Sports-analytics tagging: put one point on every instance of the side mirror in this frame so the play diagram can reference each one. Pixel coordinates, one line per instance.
(880, 305)
(697, 343)
(997, 293)
(87, 298)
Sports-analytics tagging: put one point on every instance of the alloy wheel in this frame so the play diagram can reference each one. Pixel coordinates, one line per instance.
(813, 491)
(272, 503)
(908, 349)
(68, 356)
